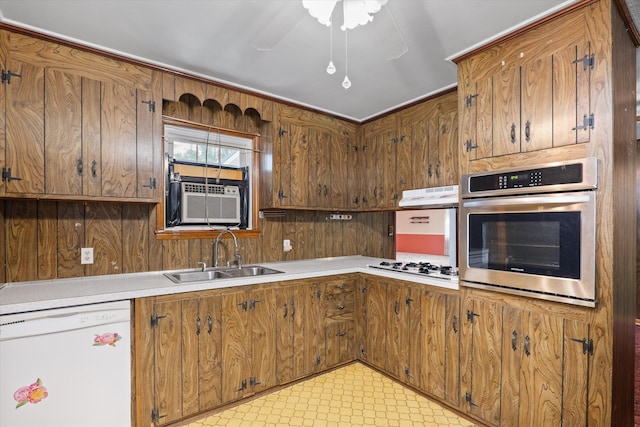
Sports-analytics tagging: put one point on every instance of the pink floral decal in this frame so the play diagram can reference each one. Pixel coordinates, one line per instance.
(110, 338)
(33, 393)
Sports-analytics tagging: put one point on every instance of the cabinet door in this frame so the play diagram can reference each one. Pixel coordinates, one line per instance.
(338, 197)
(210, 353)
(168, 361)
(397, 330)
(480, 359)
(285, 347)
(91, 134)
(575, 389)
(63, 133)
(537, 105)
(339, 335)
(433, 315)
(145, 147)
(446, 168)
(25, 128)
(294, 174)
(262, 308)
(571, 95)
(375, 298)
(236, 346)
(506, 112)
(476, 118)
(119, 169)
(319, 177)
(452, 352)
(315, 339)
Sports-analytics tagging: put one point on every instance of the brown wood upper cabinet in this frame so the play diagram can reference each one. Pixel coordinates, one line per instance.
(75, 134)
(530, 101)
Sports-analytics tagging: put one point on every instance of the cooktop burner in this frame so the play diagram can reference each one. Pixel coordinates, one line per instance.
(445, 272)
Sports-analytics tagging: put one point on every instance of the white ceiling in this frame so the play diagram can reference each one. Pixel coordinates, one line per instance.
(217, 38)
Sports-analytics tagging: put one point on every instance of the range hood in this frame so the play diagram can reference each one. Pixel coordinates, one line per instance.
(436, 197)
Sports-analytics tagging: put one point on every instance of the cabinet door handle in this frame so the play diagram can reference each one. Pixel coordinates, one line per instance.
(79, 166)
(198, 326)
(293, 309)
(527, 131)
(341, 334)
(243, 386)
(210, 323)
(429, 170)
(454, 324)
(339, 286)
(527, 345)
(94, 168)
(325, 190)
(513, 133)
(340, 307)
(514, 337)
(396, 307)
(438, 169)
(285, 310)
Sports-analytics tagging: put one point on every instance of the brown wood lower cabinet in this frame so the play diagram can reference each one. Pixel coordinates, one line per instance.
(502, 361)
(523, 367)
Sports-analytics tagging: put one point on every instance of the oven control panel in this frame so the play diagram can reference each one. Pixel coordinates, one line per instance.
(578, 174)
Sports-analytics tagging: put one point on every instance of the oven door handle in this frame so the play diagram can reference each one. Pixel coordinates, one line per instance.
(532, 200)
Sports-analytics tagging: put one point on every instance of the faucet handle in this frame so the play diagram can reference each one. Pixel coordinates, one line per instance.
(203, 264)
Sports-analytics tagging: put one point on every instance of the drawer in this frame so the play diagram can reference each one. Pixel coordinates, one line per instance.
(338, 304)
(336, 287)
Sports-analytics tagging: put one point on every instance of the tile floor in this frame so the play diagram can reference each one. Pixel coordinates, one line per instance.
(354, 395)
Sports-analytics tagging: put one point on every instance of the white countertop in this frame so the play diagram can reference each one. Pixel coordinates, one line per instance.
(45, 294)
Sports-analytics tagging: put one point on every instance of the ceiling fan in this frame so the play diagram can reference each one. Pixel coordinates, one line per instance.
(387, 38)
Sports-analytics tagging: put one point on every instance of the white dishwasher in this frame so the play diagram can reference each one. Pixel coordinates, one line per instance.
(66, 367)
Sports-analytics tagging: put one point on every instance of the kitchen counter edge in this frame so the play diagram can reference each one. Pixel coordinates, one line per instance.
(22, 297)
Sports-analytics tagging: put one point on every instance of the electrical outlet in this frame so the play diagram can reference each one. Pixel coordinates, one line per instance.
(86, 256)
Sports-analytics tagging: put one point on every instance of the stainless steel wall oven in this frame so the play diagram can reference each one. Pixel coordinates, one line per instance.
(531, 231)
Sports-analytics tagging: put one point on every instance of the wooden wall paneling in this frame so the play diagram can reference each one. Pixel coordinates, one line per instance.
(47, 240)
(22, 240)
(232, 117)
(266, 113)
(324, 239)
(63, 133)
(305, 239)
(135, 238)
(210, 112)
(71, 237)
(195, 254)
(234, 98)
(91, 137)
(250, 250)
(169, 87)
(3, 241)
(290, 231)
(352, 236)
(103, 232)
(272, 239)
(218, 94)
(118, 141)
(175, 254)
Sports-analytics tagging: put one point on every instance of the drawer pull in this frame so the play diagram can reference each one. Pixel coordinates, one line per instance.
(340, 307)
(339, 286)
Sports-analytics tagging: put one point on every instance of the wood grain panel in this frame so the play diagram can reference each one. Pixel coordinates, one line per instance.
(175, 254)
(144, 361)
(91, 137)
(272, 239)
(284, 334)
(156, 251)
(449, 170)
(506, 112)
(135, 238)
(575, 371)
(196, 88)
(103, 228)
(63, 133)
(79, 61)
(71, 237)
(338, 159)
(25, 128)
(542, 381)
(210, 348)
(191, 324)
(414, 358)
(484, 118)
(298, 138)
(512, 345)
(47, 239)
(146, 148)
(4, 55)
(169, 87)
(397, 331)
(583, 91)
(314, 332)
(168, 361)
(375, 334)
(21, 238)
(118, 141)
(537, 104)
(416, 137)
(434, 339)
(263, 338)
(452, 362)
(235, 345)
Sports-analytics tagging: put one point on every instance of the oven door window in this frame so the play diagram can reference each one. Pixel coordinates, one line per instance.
(546, 244)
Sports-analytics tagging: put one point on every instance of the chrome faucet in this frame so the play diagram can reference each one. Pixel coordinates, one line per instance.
(235, 243)
(203, 264)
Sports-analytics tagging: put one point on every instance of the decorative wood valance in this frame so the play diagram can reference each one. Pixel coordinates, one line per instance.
(173, 87)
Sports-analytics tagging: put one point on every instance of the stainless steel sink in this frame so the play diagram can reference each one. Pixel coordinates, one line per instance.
(220, 273)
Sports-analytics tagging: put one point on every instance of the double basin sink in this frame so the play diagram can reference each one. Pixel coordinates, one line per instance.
(220, 273)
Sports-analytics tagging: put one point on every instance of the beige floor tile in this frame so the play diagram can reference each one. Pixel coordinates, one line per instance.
(354, 396)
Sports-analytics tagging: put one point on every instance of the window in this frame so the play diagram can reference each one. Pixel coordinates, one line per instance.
(210, 180)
